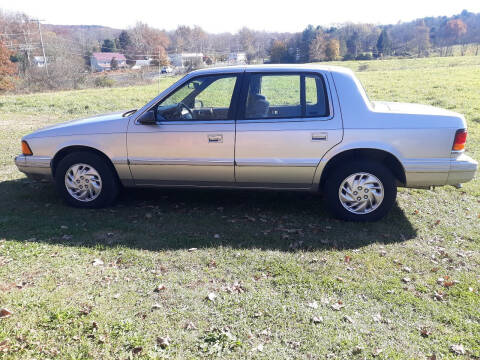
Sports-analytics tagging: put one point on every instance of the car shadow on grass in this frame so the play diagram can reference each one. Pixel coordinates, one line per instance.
(169, 219)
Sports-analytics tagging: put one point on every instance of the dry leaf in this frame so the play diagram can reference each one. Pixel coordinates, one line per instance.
(211, 296)
(347, 259)
(4, 313)
(406, 279)
(137, 350)
(159, 288)
(163, 341)
(189, 326)
(457, 349)
(212, 264)
(348, 319)
(337, 306)
(317, 319)
(313, 305)
(377, 352)
(259, 347)
(357, 350)
(425, 332)
(97, 262)
(407, 269)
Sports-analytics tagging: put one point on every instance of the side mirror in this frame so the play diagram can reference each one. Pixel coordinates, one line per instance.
(148, 118)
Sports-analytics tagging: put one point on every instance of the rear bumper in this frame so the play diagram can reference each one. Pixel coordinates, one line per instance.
(462, 169)
(34, 166)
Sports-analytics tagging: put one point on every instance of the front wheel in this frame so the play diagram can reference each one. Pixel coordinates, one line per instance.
(84, 179)
(360, 191)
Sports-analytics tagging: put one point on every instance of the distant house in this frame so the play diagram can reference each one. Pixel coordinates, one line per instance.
(39, 61)
(179, 60)
(101, 61)
(141, 63)
(237, 58)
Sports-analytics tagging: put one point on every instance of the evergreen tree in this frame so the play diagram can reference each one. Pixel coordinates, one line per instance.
(384, 44)
(108, 46)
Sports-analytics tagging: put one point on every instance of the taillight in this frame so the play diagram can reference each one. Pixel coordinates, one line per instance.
(26, 149)
(460, 140)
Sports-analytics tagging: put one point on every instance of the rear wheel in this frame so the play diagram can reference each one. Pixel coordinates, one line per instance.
(360, 191)
(85, 179)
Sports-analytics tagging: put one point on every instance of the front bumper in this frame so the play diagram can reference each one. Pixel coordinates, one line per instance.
(462, 170)
(34, 166)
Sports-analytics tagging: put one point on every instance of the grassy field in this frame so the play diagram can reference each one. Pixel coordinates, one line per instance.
(182, 274)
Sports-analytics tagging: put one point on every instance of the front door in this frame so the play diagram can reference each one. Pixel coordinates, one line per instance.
(193, 139)
(287, 125)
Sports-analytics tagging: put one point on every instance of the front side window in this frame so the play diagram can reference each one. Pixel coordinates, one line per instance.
(286, 96)
(202, 98)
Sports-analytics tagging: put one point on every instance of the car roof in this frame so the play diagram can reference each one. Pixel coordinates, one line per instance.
(270, 67)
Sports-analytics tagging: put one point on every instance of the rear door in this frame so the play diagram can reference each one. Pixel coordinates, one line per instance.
(286, 123)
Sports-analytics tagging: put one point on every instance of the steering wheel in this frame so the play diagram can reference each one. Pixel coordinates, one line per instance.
(181, 106)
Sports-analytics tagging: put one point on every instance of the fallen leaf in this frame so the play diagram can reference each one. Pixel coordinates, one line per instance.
(457, 349)
(313, 305)
(189, 326)
(4, 313)
(407, 269)
(163, 342)
(406, 279)
(85, 310)
(97, 262)
(439, 296)
(347, 259)
(348, 319)
(377, 352)
(425, 332)
(382, 253)
(159, 288)
(259, 347)
(156, 306)
(212, 264)
(357, 350)
(437, 222)
(211, 296)
(317, 319)
(137, 350)
(337, 306)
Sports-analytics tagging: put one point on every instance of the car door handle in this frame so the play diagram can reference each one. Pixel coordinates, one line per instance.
(217, 138)
(319, 137)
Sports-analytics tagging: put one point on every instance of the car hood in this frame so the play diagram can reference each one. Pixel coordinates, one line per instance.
(100, 124)
(413, 109)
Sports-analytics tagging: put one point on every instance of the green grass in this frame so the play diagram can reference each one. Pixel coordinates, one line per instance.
(266, 255)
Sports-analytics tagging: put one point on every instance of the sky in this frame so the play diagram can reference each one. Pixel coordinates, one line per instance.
(218, 16)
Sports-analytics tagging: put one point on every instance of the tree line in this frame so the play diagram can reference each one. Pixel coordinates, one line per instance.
(68, 48)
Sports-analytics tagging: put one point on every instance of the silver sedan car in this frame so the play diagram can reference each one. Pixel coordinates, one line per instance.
(309, 128)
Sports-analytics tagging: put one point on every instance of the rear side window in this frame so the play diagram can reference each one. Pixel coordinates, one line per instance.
(315, 97)
(286, 96)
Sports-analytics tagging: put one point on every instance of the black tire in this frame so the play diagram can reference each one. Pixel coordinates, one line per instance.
(340, 173)
(110, 184)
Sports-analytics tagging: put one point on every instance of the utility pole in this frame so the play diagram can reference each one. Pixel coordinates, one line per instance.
(43, 48)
